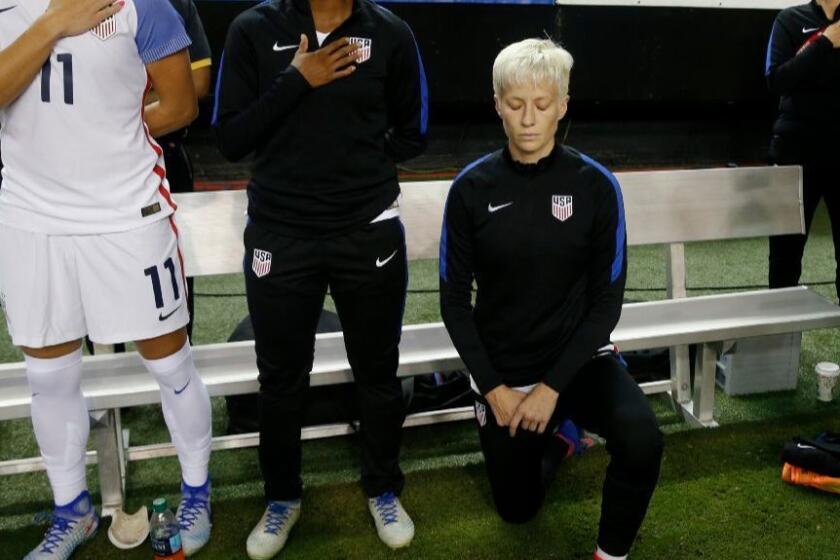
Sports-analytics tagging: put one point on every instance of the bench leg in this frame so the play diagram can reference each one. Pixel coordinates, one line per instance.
(700, 410)
(680, 363)
(680, 375)
(107, 436)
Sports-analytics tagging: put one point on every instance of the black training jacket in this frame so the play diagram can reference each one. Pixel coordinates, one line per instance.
(803, 68)
(546, 246)
(325, 158)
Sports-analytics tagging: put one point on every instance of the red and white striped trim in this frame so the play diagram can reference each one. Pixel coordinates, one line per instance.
(157, 170)
(174, 227)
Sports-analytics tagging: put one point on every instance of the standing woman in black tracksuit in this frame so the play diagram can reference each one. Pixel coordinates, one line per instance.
(540, 229)
(330, 95)
(803, 68)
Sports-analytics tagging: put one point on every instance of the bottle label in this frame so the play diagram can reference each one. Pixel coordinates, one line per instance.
(167, 547)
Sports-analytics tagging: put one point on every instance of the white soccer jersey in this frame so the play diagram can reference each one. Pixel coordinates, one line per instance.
(77, 155)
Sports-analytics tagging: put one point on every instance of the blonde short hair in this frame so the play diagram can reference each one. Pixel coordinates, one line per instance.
(532, 61)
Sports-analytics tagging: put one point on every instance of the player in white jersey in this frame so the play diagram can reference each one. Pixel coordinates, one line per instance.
(88, 242)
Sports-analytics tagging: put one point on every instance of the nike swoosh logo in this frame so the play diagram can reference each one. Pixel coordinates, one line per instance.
(7, 9)
(182, 389)
(163, 317)
(381, 263)
(811, 30)
(491, 208)
(278, 48)
(800, 446)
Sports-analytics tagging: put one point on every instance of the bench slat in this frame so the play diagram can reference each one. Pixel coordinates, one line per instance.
(120, 380)
(661, 207)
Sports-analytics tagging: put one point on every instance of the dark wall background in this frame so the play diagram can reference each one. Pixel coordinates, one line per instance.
(651, 86)
(623, 54)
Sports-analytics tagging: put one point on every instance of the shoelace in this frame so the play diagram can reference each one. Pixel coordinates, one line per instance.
(190, 511)
(277, 516)
(386, 507)
(59, 528)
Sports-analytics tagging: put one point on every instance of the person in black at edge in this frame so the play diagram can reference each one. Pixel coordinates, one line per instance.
(330, 94)
(803, 68)
(179, 169)
(540, 228)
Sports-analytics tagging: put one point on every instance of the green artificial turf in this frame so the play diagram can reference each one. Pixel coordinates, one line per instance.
(719, 497)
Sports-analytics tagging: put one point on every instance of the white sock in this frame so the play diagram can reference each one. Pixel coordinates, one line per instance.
(604, 556)
(60, 420)
(186, 409)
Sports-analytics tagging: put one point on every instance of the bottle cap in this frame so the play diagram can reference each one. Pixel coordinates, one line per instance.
(159, 505)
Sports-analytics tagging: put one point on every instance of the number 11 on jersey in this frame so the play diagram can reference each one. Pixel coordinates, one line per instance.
(66, 60)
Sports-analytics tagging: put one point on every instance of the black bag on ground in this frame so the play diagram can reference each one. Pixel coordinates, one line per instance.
(648, 365)
(440, 391)
(820, 455)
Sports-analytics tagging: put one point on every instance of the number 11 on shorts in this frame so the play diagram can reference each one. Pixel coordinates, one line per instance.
(152, 272)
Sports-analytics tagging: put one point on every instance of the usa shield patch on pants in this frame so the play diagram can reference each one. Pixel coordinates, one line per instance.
(261, 265)
(481, 414)
(365, 47)
(561, 207)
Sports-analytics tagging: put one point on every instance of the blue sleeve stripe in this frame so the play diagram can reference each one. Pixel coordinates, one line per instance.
(424, 92)
(214, 120)
(471, 166)
(169, 48)
(424, 87)
(442, 249)
(443, 234)
(620, 232)
(769, 60)
(442, 263)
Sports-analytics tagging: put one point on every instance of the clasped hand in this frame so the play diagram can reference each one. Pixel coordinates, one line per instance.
(516, 409)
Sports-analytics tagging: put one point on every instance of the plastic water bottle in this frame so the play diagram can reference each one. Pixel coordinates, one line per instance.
(165, 532)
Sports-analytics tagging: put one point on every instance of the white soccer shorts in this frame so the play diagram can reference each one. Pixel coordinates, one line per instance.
(115, 287)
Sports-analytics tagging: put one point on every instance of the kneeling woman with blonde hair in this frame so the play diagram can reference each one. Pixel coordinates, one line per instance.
(540, 228)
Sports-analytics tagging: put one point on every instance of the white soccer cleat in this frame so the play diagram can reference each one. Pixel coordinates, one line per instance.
(71, 526)
(271, 533)
(194, 517)
(394, 526)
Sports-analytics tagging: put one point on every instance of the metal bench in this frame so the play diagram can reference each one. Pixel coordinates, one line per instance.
(663, 207)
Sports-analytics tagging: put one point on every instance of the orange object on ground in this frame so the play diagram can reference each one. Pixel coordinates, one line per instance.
(801, 477)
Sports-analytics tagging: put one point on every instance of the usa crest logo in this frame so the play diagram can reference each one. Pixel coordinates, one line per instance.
(261, 265)
(106, 29)
(481, 414)
(561, 207)
(365, 47)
